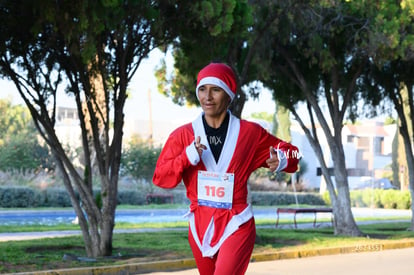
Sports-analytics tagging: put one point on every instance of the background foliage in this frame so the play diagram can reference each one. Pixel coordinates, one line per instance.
(20, 147)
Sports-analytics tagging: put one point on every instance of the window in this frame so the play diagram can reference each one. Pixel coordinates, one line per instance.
(378, 145)
(363, 143)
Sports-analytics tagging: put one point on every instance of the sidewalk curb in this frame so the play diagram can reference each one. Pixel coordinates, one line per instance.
(174, 265)
(291, 254)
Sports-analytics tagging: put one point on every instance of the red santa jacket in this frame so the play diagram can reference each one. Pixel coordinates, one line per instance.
(245, 149)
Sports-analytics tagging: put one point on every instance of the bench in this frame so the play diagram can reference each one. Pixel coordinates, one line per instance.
(159, 198)
(295, 211)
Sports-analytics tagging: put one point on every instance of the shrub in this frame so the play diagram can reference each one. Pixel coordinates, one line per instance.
(371, 198)
(326, 198)
(17, 197)
(389, 199)
(285, 198)
(379, 198)
(131, 197)
(357, 199)
(24, 197)
(56, 197)
(404, 201)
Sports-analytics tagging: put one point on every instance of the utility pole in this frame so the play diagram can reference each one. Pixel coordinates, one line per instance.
(150, 116)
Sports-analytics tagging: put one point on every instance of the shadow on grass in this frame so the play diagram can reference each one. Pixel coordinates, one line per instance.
(44, 254)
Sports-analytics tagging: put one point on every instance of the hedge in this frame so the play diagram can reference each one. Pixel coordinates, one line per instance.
(26, 197)
(285, 198)
(23, 197)
(377, 198)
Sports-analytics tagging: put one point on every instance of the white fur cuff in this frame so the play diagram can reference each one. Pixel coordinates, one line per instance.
(192, 154)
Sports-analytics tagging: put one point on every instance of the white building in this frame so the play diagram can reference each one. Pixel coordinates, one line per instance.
(67, 127)
(367, 149)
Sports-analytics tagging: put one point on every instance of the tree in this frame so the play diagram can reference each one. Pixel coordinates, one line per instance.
(217, 31)
(91, 49)
(14, 120)
(282, 117)
(20, 149)
(139, 160)
(317, 55)
(389, 78)
(262, 116)
(286, 36)
(23, 154)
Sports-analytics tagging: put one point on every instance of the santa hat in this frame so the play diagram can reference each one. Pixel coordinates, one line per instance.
(218, 74)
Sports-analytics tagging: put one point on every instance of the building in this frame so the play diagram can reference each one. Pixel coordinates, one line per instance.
(367, 148)
(373, 147)
(67, 127)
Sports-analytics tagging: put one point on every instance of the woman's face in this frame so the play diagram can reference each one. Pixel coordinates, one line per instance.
(213, 99)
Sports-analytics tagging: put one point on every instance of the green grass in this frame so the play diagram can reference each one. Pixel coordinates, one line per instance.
(126, 225)
(43, 254)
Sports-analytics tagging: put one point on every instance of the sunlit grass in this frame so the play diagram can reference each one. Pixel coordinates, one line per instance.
(19, 256)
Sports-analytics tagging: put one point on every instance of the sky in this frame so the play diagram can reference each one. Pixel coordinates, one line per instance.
(163, 108)
(143, 83)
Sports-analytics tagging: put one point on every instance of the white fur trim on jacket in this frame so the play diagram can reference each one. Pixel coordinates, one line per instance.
(192, 154)
(282, 160)
(228, 147)
(206, 249)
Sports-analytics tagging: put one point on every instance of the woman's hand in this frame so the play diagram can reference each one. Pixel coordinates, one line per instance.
(200, 147)
(273, 161)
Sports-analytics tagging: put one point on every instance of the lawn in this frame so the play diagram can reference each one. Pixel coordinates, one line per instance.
(68, 252)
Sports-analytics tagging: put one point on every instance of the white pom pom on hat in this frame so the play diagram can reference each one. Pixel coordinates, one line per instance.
(218, 74)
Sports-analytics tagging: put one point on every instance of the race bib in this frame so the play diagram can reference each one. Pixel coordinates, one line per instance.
(215, 189)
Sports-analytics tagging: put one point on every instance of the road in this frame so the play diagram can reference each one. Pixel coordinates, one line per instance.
(385, 262)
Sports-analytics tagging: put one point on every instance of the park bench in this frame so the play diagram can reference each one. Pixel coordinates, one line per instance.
(295, 211)
(159, 198)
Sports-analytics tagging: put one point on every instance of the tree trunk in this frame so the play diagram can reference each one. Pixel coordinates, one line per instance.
(410, 166)
(237, 105)
(344, 220)
(400, 104)
(344, 223)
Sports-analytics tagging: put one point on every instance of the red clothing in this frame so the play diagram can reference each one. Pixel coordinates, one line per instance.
(233, 256)
(245, 149)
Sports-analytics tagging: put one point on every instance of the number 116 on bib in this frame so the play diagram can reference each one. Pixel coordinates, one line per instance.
(215, 189)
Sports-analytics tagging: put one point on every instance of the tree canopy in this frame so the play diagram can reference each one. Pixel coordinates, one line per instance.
(91, 50)
(312, 52)
(217, 31)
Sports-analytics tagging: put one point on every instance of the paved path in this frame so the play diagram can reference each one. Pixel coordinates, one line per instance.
(385, 262)
(19, 236)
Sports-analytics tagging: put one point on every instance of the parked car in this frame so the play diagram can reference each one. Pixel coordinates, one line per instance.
(369, 182)
(383, 183)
